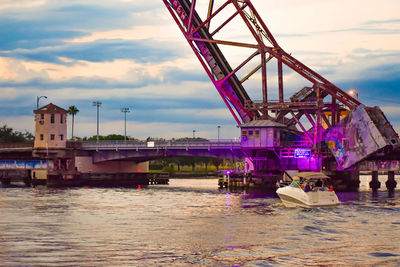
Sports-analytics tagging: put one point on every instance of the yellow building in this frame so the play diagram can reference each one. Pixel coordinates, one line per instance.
(50, 127)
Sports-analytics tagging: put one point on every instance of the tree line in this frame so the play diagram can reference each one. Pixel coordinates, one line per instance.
(9, 135)
(177, 163)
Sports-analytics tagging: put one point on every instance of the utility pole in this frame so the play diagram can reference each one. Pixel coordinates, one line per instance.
(218, 127)
(125, 110)
(97, 104)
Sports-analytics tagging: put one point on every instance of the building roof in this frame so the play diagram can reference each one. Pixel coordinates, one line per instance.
(263, 123)
(50, 108)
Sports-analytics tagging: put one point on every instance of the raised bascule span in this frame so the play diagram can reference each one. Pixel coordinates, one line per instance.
(320, 127)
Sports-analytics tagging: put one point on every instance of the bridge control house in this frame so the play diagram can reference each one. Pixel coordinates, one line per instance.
(263, 140)
(261, 133)
(50, 127)
(50, 140)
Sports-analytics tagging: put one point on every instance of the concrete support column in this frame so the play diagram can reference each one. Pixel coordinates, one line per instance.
(353, 181)
(5, 181)
(391, 182)
(375, 184)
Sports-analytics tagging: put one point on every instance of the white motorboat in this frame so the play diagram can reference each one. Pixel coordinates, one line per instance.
(308, 189)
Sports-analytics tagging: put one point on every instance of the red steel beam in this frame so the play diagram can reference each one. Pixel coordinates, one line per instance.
(258, 29)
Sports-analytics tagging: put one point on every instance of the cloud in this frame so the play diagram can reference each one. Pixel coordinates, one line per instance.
(143, 51)
(378, 27)
(51, 23)
(370, 28)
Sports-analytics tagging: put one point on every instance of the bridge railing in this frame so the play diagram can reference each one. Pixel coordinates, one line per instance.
(112, 144)
(16, 145)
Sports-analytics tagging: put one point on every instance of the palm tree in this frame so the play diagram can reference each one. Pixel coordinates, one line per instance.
(72, 110)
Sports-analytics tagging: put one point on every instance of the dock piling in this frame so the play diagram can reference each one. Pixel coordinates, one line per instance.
(391, 182)
(375, 184)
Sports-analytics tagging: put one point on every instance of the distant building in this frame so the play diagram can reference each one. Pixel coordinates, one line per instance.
(50, 127)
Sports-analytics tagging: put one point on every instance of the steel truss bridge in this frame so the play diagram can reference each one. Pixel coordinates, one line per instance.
(239, 54)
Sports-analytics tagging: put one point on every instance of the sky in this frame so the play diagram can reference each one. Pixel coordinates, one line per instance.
(131, 54)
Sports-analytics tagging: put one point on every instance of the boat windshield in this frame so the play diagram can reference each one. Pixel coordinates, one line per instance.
(319, 182)
(294, 184)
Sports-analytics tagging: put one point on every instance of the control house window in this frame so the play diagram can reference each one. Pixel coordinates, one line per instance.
(61, 137)
(41, 137)
(52, 118)
(52, 136)
(42, 116)
(61, 118)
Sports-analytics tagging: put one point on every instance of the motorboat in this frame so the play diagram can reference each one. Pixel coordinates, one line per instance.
(308, 189)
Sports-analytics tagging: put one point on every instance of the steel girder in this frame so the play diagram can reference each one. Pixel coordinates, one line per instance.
(202, 35)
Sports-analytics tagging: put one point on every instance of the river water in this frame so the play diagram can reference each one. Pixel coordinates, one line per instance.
(192, 222)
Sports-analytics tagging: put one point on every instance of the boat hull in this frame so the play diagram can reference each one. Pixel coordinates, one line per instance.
(296, 197)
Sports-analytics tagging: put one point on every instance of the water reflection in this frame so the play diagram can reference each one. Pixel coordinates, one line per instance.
(193, 222)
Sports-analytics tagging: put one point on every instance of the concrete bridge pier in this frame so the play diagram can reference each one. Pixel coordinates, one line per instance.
(28, 179)
(5, 181)
(10, 177)
(375, 184)
(391, 182)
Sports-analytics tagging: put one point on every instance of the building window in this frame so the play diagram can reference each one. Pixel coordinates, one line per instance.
(52, 136)
(61, 118)
(41, 137)
(257, 134)
(42, 116)
(244, 133)
(61, 137)
(250, 134)
(52, 118)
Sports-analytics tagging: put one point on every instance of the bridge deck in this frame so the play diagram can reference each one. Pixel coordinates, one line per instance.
(204, 144)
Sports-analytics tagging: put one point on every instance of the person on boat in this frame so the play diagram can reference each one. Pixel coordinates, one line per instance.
(318, 183)
(307, 187)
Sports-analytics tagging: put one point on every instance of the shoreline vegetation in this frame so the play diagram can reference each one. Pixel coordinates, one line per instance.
(193, 167)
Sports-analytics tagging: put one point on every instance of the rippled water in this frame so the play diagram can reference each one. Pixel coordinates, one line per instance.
(191, 222)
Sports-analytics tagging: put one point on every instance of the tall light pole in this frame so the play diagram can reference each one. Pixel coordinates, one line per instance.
(218, 127)
(97, 104)
(37, 100)
(353, 92)
(125, 110)
(193, 133)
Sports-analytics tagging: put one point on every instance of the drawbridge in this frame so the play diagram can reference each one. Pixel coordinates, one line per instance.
(319, 127)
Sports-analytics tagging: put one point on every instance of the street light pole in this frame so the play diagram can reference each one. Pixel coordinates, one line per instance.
(353, 92)
(218, 127)
(193, 133)
(97, 104)
(37, 100)
(125, 110)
